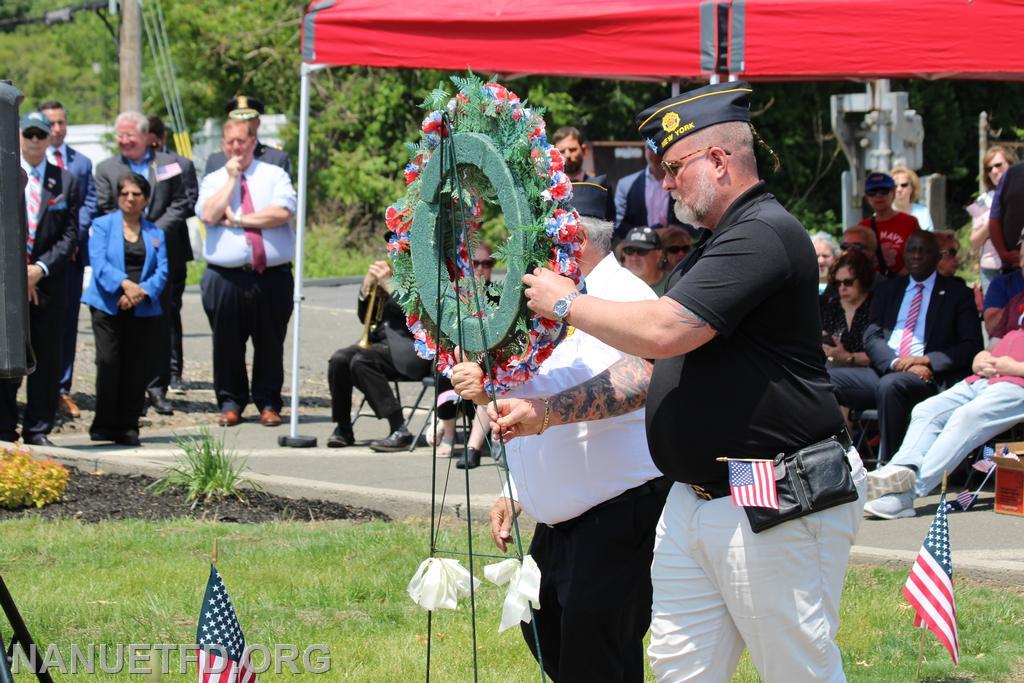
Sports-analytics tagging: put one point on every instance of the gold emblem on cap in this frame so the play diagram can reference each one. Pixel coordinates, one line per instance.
(242, 110)
(670, 121)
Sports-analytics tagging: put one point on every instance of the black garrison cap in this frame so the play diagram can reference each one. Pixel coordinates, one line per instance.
(669, 121)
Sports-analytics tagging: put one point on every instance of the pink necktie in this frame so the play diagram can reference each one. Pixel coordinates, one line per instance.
(252, 236)
(60, 158)
(32, 207)
(908, 329)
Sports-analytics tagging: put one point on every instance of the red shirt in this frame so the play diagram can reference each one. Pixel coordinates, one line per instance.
(892, 237)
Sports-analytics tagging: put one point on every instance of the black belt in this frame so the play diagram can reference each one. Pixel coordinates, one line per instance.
(713, 490)
(659, 485)
(248, 268)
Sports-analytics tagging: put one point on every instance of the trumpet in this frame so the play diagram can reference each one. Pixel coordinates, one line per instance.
(374, 313)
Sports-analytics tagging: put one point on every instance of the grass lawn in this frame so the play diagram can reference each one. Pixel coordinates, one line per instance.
(343, 585)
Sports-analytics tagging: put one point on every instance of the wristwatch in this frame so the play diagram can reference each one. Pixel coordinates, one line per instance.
(238, 220)
(561, 307)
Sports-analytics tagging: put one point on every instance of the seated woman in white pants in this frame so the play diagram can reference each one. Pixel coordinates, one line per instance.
(945, 428)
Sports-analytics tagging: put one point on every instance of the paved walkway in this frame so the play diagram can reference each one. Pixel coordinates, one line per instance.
(986, 545)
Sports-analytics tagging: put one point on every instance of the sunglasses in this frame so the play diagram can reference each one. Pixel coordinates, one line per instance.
(635, 251)
(34, 134)
(485, 263)
(846, 246)
(993, 167)
(903, 185)
(877, 193)
(673, 167)
(848, 282)
(129, 193)
(677, 249)
(948, 252)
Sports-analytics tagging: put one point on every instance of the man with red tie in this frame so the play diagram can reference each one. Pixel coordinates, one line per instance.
(66, 157)
(921, 339)
(51, 205)
(247, 207)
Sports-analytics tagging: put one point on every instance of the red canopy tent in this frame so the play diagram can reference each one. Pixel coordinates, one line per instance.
(656, 39)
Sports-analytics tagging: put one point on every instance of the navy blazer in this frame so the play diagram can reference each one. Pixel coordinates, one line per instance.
(80, 166)
(952, 332)
(56, 229)
(106, 252)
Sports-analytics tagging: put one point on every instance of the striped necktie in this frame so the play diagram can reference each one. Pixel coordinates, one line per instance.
(908, 329)
(32, 206)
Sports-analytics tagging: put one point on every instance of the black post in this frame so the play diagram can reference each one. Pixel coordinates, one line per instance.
(21, 636)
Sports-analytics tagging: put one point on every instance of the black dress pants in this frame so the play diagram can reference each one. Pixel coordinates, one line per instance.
(167, 345)
(242, 305)
(46, 325)
(368, 370)
(177, 358)
(125, 357)
(595, 590)
(894, 395)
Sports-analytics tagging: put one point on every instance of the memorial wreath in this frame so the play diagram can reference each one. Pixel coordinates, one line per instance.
(481, 147)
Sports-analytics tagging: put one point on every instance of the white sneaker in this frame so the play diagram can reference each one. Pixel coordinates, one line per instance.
(892, 506)
(890, 479)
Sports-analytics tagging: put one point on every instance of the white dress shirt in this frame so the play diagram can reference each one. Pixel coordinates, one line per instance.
(569, 469)
(268, 185)
(917, 345)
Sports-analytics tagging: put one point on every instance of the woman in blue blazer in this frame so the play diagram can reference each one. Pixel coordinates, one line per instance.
(129, 270)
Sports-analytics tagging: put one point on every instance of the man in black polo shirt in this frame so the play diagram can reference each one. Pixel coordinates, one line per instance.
(739, 374)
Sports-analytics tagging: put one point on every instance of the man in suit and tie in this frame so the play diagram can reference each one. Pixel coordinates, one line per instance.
(647, 203)
(245, 108)
(175, 289)
(168, 207)
(922, 337)
(51, 203)
(64, 156)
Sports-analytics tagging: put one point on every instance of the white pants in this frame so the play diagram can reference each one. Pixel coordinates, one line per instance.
(718, 587)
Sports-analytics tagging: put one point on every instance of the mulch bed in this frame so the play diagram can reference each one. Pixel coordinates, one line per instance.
(98, 497)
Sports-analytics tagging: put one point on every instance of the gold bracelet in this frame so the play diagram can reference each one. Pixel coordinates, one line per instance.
(547, 416)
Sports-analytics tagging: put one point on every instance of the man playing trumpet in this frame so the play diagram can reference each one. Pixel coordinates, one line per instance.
(385, 353)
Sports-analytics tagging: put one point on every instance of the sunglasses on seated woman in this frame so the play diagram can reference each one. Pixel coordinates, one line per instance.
(677, 249)
(483, 263)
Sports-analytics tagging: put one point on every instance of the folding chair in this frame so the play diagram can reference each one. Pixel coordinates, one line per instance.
(862, 419)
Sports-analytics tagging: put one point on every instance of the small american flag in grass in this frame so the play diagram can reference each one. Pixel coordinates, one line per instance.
(752, 483)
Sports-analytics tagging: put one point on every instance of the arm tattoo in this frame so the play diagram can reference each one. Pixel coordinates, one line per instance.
(688, 317)
(620, 389)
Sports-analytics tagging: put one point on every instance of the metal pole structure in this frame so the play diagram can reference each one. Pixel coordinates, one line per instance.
(293, 440)
(131, 57)
(982, 148)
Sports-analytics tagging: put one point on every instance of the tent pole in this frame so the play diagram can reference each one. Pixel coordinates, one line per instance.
(293, 440)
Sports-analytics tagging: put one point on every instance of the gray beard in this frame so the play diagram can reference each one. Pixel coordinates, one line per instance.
(696, 213)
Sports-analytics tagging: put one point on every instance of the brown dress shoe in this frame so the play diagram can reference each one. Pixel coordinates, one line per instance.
(270, 417)
(229, 418)
(66, 405)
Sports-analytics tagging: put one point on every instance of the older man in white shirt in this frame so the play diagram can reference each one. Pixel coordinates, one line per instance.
(596, 494)
(247, 207)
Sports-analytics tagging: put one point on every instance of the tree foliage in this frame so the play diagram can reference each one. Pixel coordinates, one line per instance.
(361, 117)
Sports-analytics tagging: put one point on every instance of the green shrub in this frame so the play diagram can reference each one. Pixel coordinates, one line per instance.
(205, 471)
(26, 481)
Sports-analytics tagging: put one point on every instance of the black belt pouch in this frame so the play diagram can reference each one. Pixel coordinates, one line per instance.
(809, 480)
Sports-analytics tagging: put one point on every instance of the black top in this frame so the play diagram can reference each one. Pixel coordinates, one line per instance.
(1011, 202)
(833, 322)
(760, 386)
(134, 258)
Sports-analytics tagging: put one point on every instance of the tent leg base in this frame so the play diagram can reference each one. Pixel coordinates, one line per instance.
(296, 441)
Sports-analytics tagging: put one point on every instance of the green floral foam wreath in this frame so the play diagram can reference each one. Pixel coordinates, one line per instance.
(482, 146)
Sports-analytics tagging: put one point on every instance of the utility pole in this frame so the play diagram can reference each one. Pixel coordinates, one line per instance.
(131, 56)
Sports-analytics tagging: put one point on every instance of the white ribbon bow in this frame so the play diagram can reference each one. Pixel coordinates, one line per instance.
(439, 582)
(523, 590)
